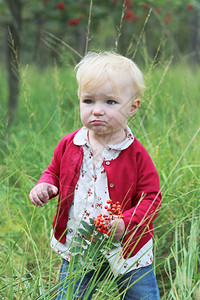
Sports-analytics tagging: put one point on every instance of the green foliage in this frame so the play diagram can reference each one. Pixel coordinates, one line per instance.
(93, 246)
(183, 263)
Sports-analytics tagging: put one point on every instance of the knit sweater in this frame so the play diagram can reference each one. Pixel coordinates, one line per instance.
(132, 181)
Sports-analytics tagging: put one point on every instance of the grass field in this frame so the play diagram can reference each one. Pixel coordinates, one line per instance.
(167, 124)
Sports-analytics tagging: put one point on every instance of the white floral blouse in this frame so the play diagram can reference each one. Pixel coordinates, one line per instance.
(91, 194)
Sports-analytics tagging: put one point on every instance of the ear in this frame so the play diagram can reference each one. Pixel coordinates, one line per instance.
(134, 106)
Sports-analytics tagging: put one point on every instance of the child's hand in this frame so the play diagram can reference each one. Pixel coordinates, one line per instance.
(41, 193)
(117, 226)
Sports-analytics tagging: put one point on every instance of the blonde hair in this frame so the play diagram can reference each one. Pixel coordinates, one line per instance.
(95, 68)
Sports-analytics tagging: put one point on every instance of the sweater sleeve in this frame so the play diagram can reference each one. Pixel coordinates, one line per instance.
(147, 198)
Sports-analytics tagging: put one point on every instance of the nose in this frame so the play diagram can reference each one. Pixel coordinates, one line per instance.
(98, 109)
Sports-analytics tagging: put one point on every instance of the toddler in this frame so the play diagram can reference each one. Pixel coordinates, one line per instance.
(103, 160)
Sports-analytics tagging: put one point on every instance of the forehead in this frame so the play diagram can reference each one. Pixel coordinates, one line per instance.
(108, 89)
(113, 82)
(105, 88)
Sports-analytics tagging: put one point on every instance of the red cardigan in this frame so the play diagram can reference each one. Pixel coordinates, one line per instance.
(132, 180)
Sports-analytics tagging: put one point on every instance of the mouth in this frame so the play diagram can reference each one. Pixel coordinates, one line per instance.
(98, 122)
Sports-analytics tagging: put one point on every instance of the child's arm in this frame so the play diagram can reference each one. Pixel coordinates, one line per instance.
(47, 186)
(146, 202)
(41, 193)
(137, 189)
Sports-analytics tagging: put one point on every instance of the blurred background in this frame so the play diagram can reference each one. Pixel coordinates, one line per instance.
(46, 32)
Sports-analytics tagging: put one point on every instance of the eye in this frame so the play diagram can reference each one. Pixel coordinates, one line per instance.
(87, 101)
(111, 102)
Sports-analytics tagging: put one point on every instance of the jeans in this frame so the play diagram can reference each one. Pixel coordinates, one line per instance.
(144, 289)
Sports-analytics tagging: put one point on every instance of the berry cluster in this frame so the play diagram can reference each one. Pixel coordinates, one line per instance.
(60, 6)
(101, 222)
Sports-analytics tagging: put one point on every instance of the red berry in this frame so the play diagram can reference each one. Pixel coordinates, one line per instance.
(128, 4)
(92, 238)
(168, 15)
(109, 201)
(73, 22)
(158, 10)
(190, 7)
(128, 15)
(60, 6)
(168, 18)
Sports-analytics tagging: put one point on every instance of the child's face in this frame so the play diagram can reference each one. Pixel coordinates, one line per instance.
(105, 111)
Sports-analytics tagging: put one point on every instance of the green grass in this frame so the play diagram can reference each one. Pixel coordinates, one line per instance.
(167, 124)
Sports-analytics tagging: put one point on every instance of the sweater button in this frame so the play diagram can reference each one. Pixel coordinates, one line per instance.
(112, 185)
(107, 163)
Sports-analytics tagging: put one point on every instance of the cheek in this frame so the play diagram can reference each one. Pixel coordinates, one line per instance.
(81, 112)
(84, 114)
(123, 113)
